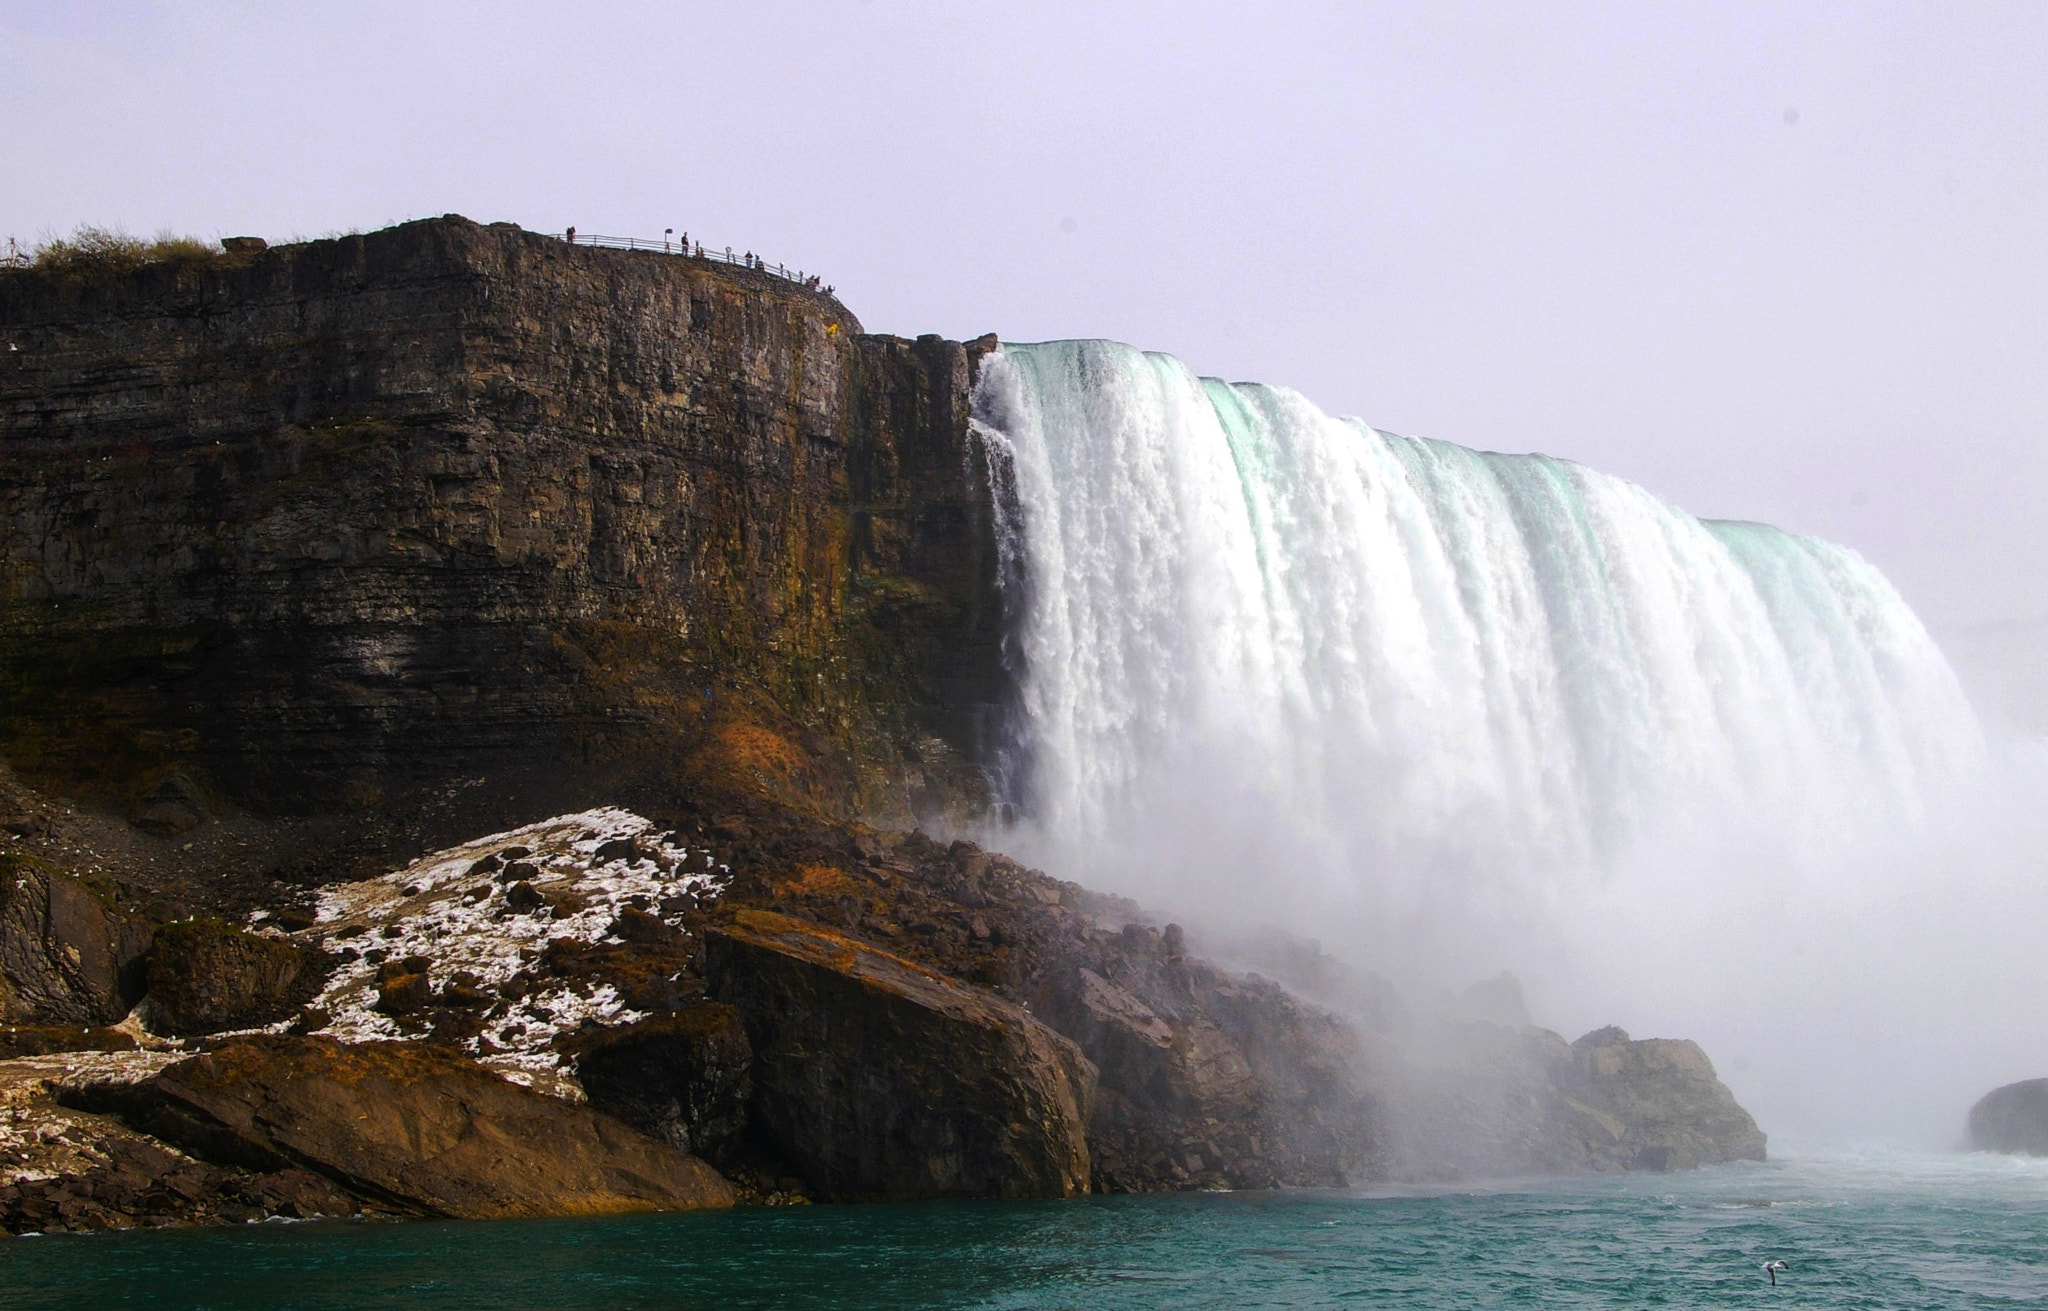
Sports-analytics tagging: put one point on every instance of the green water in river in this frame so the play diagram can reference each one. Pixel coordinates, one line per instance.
(1876, 1231)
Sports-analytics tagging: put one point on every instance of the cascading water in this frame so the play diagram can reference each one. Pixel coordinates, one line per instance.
(1430, 703)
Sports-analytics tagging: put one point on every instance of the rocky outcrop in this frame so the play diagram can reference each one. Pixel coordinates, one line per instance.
(685, 1078)
(207, 976)
(66, 957)
(880, 1078)
(415, 1127)
(49, 1039)
(1207, 1079)
(1658, 1104)
(2012, 1119)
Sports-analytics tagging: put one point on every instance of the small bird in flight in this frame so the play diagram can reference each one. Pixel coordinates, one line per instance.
(1772, 1268)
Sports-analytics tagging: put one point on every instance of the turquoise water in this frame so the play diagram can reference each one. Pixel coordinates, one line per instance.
(1880, 1231)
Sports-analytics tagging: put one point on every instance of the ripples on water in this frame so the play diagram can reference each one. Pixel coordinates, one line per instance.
(1874, 1231)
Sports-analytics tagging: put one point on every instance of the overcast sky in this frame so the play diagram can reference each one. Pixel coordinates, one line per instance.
(1779, 262)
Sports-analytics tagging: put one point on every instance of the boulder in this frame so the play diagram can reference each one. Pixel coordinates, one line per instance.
(416, 1127)
(2012, 1119)
(879, 1078)
(174, 805)
(207, 976)
(683, 1078)
(65, 957)
(1672, 1110)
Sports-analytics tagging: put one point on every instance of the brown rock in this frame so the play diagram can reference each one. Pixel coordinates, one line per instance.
(207, 976)
(419, 1127)
(882, 1079)
(45, 1040)
(404, 994)
(635, 925)
(65, 957)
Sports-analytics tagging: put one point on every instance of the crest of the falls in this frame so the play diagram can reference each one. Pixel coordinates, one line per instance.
(1267, 651)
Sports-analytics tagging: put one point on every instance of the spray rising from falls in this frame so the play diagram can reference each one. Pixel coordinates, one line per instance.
(1421, 697)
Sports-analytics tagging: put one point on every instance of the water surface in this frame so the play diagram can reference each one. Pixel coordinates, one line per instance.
(1875, 1231)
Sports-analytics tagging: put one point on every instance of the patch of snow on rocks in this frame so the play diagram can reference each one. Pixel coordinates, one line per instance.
(41, 1140)
(450, 907)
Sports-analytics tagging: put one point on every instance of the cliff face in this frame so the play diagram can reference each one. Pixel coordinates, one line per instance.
(321, 528)
(315, 558)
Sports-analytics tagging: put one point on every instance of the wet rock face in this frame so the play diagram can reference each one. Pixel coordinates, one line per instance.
(881, 1079)
(65, 957)
(684, 1078)
(207, 976)
(2012, 1119)
(322, 526)
(417, 1127)
(1207, 1079)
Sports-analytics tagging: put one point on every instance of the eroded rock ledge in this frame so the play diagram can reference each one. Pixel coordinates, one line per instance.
(594, 1013)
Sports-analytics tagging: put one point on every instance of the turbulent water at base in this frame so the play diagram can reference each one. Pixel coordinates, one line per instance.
(1450, 710)
(1906, 1232)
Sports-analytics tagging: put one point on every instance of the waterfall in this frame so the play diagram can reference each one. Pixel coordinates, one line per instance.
(1271, 657)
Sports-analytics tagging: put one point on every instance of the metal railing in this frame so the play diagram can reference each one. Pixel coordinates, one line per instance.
(670, 245)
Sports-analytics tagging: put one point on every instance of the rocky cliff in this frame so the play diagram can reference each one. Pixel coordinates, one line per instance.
(332, 527)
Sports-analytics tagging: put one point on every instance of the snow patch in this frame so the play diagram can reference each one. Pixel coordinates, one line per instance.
(448, 909)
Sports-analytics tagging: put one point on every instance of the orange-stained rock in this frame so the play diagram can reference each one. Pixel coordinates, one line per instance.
(417, 1127)
(879, 1078)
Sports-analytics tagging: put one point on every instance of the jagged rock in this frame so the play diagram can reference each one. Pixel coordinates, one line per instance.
(883, 1079)
(1207, 1079)
(2012, 1119)
(135, 1183)
(207, 976)
(418, 1127)
(1673, 1110)
(684, 1078)
(65, 957)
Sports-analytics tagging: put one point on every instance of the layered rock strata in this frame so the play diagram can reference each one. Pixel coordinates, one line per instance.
(330, 526)
(412, 1125)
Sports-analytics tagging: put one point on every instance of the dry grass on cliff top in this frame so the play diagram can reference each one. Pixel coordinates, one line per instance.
(91, 250)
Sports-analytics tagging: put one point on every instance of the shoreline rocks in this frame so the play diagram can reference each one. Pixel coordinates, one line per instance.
(806, 1009)
(415, 1127)
(880, 1078)
(2012, 1119)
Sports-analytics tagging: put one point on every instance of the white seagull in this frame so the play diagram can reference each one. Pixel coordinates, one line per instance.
(1772, 1268)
